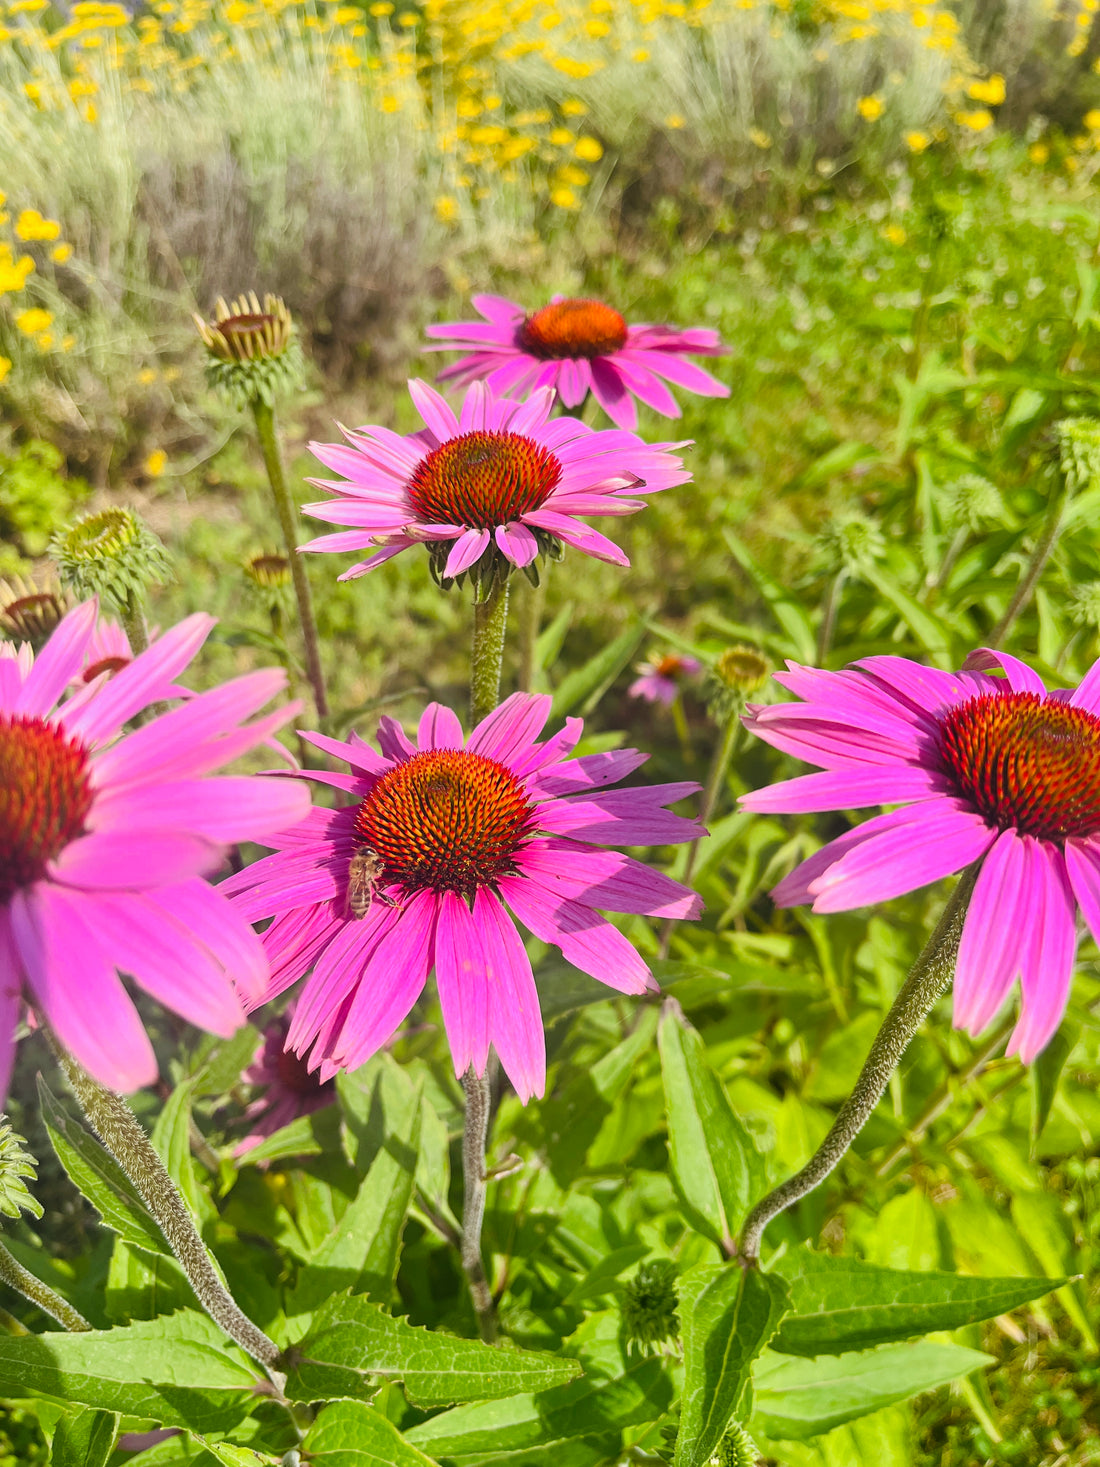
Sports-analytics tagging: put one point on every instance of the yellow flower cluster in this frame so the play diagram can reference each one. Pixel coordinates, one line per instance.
(16, 269)
(459, 69)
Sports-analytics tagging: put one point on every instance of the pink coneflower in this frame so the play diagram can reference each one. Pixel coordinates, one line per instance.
(500, 479)
(291, 1089)
(104, 841)
(461, 831)
(986, 768)
(661, 677)
(577, 346)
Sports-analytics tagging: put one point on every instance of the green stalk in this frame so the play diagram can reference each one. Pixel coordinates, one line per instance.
(487, 657)
(929, 979)
(118, 1128)
(18, 1278)
(1044, 548)
(264, 414)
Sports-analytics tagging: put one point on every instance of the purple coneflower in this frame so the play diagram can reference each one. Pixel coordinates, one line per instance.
(577, 346)
(462, 831)
(985, 768)
(291, 1089)
(661, 677)
(104, 842)
(500, 478)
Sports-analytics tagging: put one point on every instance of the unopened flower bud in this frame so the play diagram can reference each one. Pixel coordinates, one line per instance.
(253, 351)
(850, 541)
(15, 1164)
(113, 555)
(268, 571)
(1079, 450)
(649, 1311)
(739, 672)
(737, 1450)
(30, 609)
(973, 501)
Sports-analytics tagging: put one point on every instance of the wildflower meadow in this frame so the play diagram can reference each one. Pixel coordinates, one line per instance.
(550, 733)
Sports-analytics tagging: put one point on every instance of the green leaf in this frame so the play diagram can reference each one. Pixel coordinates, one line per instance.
(716, 1167)
(350, 1434)
(361, 1251)
(802, 1398)
(1045, 1072)
(84, 1439)
(299, 1138)
(728, 1314)
(177, 1371)
(142, 1285)
(1042, 1220)
(842, 1304)
(584, 687)
(929, 631)
(352, 1338)
(96, 1174)
(786, 609)
(221, 1065)
(601, 1279)
(615, 1391)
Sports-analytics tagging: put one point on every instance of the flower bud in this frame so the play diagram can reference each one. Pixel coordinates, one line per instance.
(849, 542)
(1079, 451)
(973, 501)
(649, 1307)
(739, 672)
(737, 1450)
(30, 609)
(268, 571)
(253, 352)
(15, 1164)
(110, 554)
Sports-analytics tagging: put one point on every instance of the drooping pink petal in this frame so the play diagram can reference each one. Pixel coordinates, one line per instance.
(585, 938)
(849, 789)
(464, 991)
(1019, 677)
(516, 543)
(118, 861)
(60, 660)
(994, 932)
(77, 989)
(512, 1001)
(910, 848)
(468, 548)
(202, 913)
(1048, 951)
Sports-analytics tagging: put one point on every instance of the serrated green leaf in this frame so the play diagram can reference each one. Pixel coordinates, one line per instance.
(141, 1285)
(84, 1439)
(843, 1304)
(802, 1398)
(351, 1434)
(616, 1391)
(299, 1138)
(584, 687)
(728, 1314)
(716, 1167)
(178, 1371)
(95, 1173)
(350, 1337)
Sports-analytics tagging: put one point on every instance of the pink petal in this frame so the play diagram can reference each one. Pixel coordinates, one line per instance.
(59, 662)
(466, 549)
(1087, 694)
(850, 789)
(512, 1001)
(464, 992)
(633, 817)
(585, 938)
(373, 561)
(591, 771)
(675, 369)
(923, 843)
(205, 915)
(508, 732)
(607, 880)
(434, 409)
(517, 543)
(647, 387)
(11, 988)
(439, 728)
(539, 758)
(498, 309)
(118, 861)
(224, 809)
(1083, 871)
(1049, 951)
(994, 934)
(574, 532)
(609, 390)
(1019, 677)
(393, 740)
(77, 988)
(339, 969)
(360, 756)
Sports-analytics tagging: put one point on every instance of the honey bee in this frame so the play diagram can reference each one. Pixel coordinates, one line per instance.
(364, 870)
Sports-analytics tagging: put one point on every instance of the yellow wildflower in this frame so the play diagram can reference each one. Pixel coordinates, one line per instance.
(446, 209)
(147, 375)
(155, 464)
(571, 107)
(1092, 119)
(588, 150)
(917, 141)
(894, 234)
(564, 198)
(870, 108)
(1038, 152)
(991, 91)
(31, 225)
(31, 321)
(5, 367)
(561, 137)
(759, 137)
(674, 120)
(976, 121)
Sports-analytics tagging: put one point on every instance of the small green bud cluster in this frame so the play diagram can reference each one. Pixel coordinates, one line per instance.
(649, 1307)
(973, 501)
(849, 542)
(1079, 451)
(15, 1164)
(737, 1450)
(737, 673)
(253, 352)
(113, 555)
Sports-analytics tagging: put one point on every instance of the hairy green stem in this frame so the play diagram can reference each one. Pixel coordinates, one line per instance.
(719, 764)
(23, 1282)
(487, 657)
(474, 1136)
(118, 1128)
(133, 620)
(264, 415)
(930, 976)
(1044, 548)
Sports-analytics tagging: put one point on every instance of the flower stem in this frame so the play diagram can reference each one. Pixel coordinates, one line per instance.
(487, 658)
(117, 1127)
(264, 414)
(719, 764)
(1044, 547)
(133, 620)
(929, 978)
(474, 1135)
(23, 1282)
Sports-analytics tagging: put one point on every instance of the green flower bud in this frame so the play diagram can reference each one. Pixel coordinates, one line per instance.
(973, 501)
(1079, 450)
(268, 571)
(15, 1164)
(739, 672)
(253, 351)
(850, 541)
(31, 609)
(1084, 604)
(113, 555)
(649, 1310)
(737, 1450)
